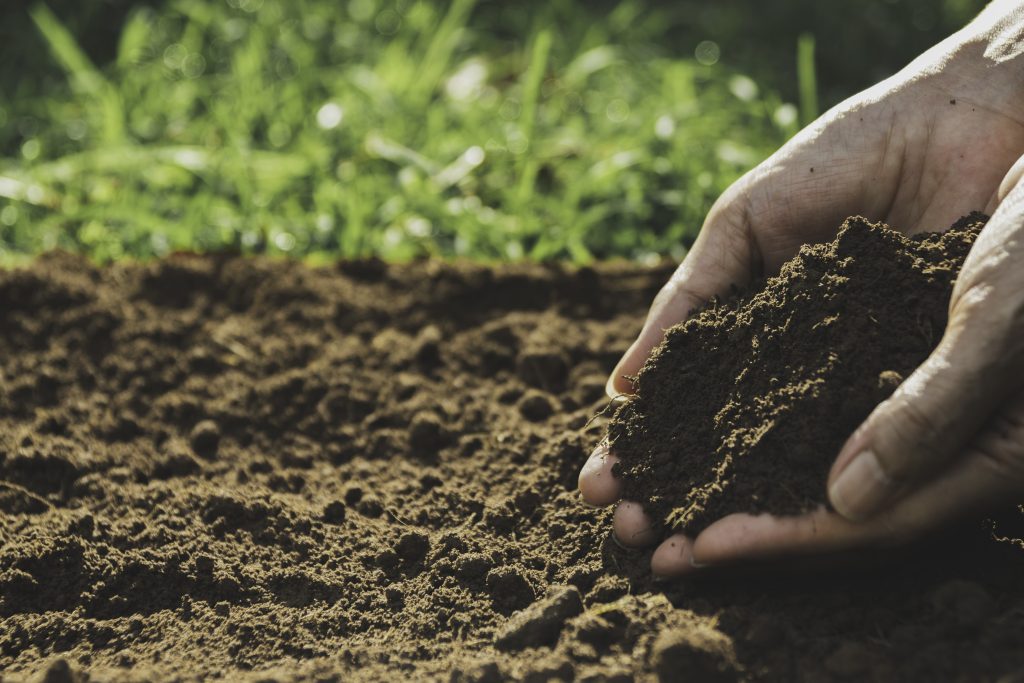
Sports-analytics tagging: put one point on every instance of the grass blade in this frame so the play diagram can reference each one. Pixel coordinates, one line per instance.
(807, 80)
(531, 93)
(85, 78)
(438, 54)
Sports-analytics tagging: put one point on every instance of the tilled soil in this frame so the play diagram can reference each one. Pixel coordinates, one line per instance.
(236, 468)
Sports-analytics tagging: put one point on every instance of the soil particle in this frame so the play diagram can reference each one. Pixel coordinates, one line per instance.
(427, 347)
(297, 553)
(536, 406)
(540, 623)
(544, 369)
(745, 405)
(509, 588)
(471, 566)
(205, 438)
(60, 671)
(426, 432)
(334, 512)
(485, 672)
(966, 603)
(412, 546)
(696, 652)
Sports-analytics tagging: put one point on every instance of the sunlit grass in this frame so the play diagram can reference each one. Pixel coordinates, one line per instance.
(397, 129)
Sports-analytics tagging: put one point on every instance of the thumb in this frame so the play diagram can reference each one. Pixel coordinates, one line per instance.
(930, 418)
(933, 415)
(722, 256)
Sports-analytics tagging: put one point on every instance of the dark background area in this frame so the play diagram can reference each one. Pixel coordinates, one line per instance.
(858, 43)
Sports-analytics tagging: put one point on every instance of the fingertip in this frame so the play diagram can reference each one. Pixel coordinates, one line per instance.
(617, 383)
(597, 485)
(612, 386)
(632, 527)
(673, 558)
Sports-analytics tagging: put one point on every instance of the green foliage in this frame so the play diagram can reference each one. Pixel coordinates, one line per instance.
(806, 78)
(391, 127)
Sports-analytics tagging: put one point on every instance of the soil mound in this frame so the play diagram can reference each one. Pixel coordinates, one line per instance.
(744, 407)
(241, 469)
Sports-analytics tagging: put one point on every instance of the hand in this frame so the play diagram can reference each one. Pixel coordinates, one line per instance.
(919, 150)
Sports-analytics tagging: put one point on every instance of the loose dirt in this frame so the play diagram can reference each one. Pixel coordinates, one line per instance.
(744, 407)
(254, 470)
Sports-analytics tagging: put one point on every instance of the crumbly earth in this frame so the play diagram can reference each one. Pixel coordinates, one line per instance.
(226, 468)
(745, 406)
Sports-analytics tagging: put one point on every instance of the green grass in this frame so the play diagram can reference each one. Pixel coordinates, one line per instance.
(396, 129)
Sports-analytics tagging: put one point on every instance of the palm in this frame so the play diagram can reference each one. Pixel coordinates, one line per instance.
(917, 165)
(990, 469)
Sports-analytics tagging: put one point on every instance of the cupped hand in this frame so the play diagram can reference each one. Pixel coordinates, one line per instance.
(918, 151)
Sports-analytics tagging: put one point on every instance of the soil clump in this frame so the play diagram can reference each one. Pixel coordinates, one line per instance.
(745, 406)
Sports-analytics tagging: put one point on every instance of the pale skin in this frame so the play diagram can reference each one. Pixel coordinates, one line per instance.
(938, 140)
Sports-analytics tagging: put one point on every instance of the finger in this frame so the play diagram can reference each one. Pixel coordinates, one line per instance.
(720, 258)
(631, 527)
(743, 537)
(990, 474)
(673, 558)
(1008, 184)
(597, 484)
(978, 364)
(929, 419)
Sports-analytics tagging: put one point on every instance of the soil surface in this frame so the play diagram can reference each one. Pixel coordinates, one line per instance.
(745, 406)
(254, 470)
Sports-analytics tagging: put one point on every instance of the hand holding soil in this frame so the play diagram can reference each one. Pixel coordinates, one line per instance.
(931, 144)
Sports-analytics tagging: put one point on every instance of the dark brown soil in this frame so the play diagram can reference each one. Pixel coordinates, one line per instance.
(745, 406)
(244, 469)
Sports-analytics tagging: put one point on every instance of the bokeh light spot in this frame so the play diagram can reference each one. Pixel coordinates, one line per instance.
(707, 52)
(330, 115)
(31, 149)
(388, 22)
(664, 127)
(617, 110)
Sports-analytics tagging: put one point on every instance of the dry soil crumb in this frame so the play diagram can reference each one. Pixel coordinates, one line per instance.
(745, 406)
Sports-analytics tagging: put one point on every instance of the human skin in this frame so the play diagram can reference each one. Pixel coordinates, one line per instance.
(943, 137)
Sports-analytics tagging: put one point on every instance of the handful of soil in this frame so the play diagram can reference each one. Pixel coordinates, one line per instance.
(744, 406)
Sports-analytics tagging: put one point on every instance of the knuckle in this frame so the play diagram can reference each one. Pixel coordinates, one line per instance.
(1001, 445)
(987, 303)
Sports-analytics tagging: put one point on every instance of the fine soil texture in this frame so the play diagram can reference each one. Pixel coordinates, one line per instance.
(242, 469)
(744, 407)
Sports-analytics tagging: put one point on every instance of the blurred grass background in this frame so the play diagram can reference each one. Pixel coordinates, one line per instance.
(399, 128)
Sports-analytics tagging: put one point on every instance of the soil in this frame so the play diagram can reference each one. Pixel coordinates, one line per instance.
(247, 469)
(744, 406)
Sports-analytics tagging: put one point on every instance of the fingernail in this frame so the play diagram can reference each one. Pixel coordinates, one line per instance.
(695, 564)
(862, 488)
(609, 387)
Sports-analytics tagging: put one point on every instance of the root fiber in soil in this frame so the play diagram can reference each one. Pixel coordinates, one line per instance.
(226, 468)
